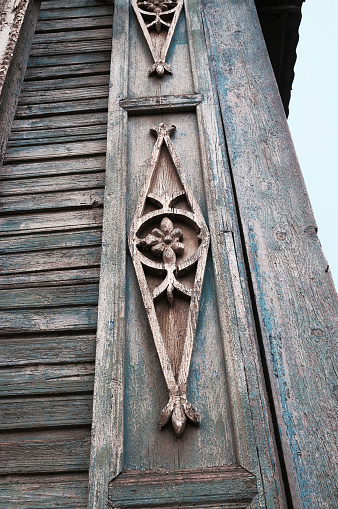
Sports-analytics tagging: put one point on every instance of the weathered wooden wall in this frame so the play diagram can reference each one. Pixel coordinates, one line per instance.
(52, 184)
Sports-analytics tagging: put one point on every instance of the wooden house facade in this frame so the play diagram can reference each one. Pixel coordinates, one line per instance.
(159, 257)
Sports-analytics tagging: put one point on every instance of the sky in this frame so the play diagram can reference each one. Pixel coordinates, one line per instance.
(314, 115)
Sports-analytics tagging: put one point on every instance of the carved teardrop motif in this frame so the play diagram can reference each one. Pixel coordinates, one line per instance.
(158, 20)
(169, 243)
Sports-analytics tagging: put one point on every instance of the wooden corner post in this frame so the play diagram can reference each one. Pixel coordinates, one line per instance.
(181, 414)
(292, 289)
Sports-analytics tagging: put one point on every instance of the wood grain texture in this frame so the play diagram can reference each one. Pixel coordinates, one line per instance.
(72, 36)
(79, 12)
(60, 121)
(25, 413)
(45, 297)
(44, 451)
(64, 44)
(51, 277)
(63, 95)
(66, 4)
(255, 447)
(66, 83)
(73, 24)
(34, 110)
(41, 168)
(49, 241)
(293, 289)
(57, 134)
(108, 420)
(32, 223)
(41, 185)
(88, 69)
(66, 491)
(230, 487)
(65, 59)
(165, 104)
(40, 320)
(47, 349)
(46, 379)
(56, 200)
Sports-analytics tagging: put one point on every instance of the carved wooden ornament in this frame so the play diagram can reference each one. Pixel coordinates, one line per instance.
(169, 242)
(158, 19)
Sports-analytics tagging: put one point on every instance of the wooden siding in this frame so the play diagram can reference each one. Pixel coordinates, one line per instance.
(52, 182)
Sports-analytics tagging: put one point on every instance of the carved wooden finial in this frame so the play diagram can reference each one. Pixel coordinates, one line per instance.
(169, 243)
(163, 130)
(158, 20)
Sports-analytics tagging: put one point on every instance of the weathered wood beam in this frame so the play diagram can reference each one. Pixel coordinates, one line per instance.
(292, 289)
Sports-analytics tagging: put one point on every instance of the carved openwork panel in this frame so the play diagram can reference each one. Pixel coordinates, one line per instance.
(169, 242)
(158, 19)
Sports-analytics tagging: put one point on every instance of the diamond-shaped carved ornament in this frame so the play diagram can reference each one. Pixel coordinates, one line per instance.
(169, 243)
(158, 19)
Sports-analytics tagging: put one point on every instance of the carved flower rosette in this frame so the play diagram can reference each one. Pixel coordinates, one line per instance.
(168, 243)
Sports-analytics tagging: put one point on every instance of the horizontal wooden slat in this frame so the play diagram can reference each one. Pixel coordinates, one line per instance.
(67, 70)
(61, 167)
(73, 24)
(49, 296)
(56, 200)
(61, 37)
(61, 108)
(44, 451)
(49, 184)
(55, 4)
(16, 413)
(70, 47)
(61, 134)
(31, 223)
(65, 83)
(60, 121)
(61, 140)
(76, 149)
(71, 94)
(50, 349)
(52, 277)
(41, 320)
(70, 59)
(66, 491)
(80, 12)
(49, 259)
(47, 241)
(43, 379)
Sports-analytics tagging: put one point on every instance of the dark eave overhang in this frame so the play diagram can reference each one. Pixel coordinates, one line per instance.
(280, 20)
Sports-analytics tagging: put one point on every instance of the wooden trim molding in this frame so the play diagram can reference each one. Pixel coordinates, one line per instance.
(232, 487)
(161, 104)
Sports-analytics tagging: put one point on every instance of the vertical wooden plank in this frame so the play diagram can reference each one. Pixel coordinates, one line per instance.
(256, 449)
(108, 418)
(292, 288)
